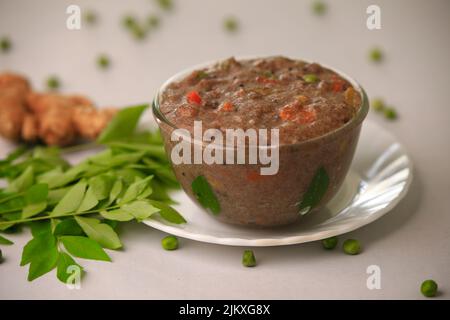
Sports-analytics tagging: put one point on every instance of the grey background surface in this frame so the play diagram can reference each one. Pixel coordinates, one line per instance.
(410, 244)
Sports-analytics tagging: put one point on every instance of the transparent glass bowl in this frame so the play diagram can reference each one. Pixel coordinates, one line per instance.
(272, 200)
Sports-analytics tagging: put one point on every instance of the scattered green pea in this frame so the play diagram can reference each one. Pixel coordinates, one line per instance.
(129, 22)
(319, 7)
(53, 83)
(103, 61)
(5, 44)
(376, 55)
(90, 17)
(231, 24)
(138, 32)
(248, 259)
(169, 243)
(165, 4)
(153, 21)
(330, 243)
(351, 246)
(390, 113)
(310, 78)
(378, 104)
(429, 288)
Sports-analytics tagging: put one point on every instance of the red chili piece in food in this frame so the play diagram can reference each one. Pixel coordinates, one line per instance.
(289, 111)
(306, 116)
(265, 80)
(194, 97)
(227, 106)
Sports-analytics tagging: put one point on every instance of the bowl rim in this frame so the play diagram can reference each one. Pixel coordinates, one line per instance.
(354, 122)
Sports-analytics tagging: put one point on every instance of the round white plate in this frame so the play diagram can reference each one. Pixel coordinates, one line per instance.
(379, 177)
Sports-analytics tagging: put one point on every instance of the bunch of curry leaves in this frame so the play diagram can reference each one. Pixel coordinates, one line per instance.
(73, 211)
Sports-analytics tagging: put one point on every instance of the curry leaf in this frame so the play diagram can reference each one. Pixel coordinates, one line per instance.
(316, 190)
(3, 240)
(89, 201)
(68, 227)
(71, 200)
(100, 232)
(65, 264)
(40, 227)
(140, 209)
(122, 125)
(167, 212)
(101, 186)
(85, 248)
(41, 253)
(135, 189)
(23, 182)
(117, 215)
(205, 195)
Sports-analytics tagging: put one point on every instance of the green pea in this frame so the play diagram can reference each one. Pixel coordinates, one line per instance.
(231, 24)
(90, 17)
(390, 113)
(319, 7)
(330, 243)
(129, 22)
(138, 32)
(429, 288)
(248, 259)
(103, 61)
(165, 4)
(310, 78)
(351, 246)
(53, 83)
(5, 44)
(153, 21)
(169, 243)
(376, 55)
(378, 104)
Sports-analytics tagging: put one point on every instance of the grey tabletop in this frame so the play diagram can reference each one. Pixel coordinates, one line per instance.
(410, 244)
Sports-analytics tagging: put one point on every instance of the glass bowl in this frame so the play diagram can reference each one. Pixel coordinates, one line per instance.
(310, 172)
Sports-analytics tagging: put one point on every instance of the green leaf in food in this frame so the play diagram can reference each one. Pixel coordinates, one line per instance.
(66, 267)
(5, 241)
(205, 195)
(140, 209)
(167, 212)
(100, 232)
(122, 125)
(71, 200)
(117, 215)
(316, 190)
(84, 248)
(68, 227)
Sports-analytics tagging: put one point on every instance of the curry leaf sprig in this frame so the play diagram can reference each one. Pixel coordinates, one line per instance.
(74, 210)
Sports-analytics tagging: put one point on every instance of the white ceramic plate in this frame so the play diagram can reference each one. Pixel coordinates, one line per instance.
(379, 177)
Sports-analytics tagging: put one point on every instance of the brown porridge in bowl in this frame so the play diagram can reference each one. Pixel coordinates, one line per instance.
(317, 112)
